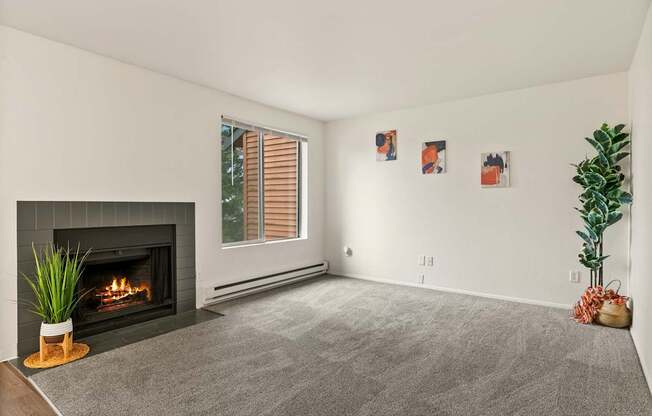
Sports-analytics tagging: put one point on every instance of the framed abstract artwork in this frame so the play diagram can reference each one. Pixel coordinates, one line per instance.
(433, 157)
(386, 145)
(494, 168)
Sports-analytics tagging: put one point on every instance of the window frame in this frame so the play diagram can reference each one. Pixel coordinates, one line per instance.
(262, 131)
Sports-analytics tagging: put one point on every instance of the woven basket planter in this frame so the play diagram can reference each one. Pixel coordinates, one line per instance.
(614, 315)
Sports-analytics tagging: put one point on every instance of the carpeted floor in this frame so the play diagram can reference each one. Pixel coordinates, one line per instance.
(338, 346)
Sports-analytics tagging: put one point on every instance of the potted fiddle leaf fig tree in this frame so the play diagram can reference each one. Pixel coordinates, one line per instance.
(602, 197)
(57, 272)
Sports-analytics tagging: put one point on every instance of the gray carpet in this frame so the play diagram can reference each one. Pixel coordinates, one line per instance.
(338, 346)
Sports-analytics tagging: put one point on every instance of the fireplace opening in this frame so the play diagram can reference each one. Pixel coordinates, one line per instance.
(129, 277)
(123, 281)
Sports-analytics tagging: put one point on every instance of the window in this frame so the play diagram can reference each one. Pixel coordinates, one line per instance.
(261, 184)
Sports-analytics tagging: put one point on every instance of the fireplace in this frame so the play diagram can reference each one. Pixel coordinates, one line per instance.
(129, 276)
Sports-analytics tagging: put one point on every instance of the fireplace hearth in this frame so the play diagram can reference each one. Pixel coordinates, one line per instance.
(129, 276)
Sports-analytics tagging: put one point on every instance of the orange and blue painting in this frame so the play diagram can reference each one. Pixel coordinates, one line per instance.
(494, 170)
(433, 157)
(386, 145)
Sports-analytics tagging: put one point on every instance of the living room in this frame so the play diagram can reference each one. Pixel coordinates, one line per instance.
(285, 208)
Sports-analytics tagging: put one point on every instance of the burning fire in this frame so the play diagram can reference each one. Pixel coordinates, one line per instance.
(121, 291)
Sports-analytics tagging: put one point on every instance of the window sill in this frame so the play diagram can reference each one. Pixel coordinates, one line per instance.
(261, 243)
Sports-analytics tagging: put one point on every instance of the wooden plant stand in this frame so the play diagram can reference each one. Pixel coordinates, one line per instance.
(66, 345)
(56, 353)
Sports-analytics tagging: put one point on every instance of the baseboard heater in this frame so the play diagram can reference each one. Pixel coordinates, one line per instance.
(258, 284)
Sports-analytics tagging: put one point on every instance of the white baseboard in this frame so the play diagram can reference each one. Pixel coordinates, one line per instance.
(4, 358)
(453, 290)
(641, 359)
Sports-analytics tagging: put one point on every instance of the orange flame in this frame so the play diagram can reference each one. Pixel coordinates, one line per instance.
(117, 291)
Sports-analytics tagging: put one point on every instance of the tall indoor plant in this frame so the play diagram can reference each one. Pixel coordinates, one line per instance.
(57, 272)
(602, 195)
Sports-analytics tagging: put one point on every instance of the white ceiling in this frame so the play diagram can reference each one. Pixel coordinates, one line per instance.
(339, 58)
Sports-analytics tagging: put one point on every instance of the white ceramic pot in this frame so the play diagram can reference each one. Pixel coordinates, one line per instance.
(54, 332)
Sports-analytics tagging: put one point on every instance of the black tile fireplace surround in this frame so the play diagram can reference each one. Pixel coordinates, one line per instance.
(129, 275)
(141, 267)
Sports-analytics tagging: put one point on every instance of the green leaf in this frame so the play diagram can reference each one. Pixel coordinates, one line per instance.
(614, 194)
(582, 167)
(595, 217)
(594, 179)
(620, 156)
(602, 137)
(584, 237)
(625, 198)
(616, 147)
(578, 179)
(619, 138)
(592, 234)
(618, 128)
(599, 228)
(614, 217)
(604, 160)
(597, 195)
(601, 205)
(595, 144)
(588, 251)
(592, 264)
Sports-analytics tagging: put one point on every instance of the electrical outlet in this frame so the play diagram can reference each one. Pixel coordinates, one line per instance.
(431, 261)
(575, 276)
(422, 260)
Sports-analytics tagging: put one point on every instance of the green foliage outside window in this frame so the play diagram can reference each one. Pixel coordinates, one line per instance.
(232, 186)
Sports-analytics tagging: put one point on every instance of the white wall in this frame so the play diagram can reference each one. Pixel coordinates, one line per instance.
(78, 126)
(515, 242)
(640, 83)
